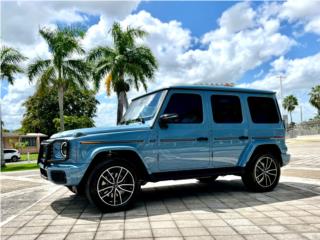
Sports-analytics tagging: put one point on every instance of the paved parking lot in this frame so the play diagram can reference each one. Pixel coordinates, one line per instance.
(169, 210)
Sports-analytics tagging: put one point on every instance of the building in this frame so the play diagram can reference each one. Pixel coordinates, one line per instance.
(33, 140)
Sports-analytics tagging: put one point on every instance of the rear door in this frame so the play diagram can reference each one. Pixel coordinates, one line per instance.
(229, 128)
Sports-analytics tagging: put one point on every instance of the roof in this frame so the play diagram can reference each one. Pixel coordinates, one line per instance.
(10, 134)
(211, 88)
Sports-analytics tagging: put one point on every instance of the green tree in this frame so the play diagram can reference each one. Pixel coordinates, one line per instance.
(315, 98)
(42, 108)
(61, 70)
(10, 63)
(74, 122)
(289, 103)
(123, 65)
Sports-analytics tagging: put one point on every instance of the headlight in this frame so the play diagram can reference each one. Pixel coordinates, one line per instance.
(61, 150)
(64, 149)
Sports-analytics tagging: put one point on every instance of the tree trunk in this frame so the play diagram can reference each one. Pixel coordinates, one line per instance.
(120, 108)
(122, 104)
(2, 161)
(126, 103)
(60, 99)
(290, 117)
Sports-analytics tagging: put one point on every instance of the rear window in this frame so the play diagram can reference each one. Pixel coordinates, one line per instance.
(226, 109)
(263, 110)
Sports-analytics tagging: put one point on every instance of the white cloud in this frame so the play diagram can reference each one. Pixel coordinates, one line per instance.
(303, 12)
(300, 75)
(21, 20)
(238, 17)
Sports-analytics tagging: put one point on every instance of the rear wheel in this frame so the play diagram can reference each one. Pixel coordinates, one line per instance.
(262, 174)
(210, 179)
(113, 186)
(14, 159)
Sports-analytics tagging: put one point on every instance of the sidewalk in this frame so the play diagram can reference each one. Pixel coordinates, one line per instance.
(179, 210)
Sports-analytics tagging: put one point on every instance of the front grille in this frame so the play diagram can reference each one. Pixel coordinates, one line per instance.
(45, 153)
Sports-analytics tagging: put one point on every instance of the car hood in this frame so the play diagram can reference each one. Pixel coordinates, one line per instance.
(90, 131)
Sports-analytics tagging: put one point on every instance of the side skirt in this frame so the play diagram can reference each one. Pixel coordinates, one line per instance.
(186, 174)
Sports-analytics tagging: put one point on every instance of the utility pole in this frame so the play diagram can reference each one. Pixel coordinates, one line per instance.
(281, 90)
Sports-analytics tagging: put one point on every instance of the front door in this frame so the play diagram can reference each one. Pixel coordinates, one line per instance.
(229, 129)
(184, 145)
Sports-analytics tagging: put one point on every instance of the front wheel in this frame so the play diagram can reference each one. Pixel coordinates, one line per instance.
(262, 174)
(14, 159)
(113, 186)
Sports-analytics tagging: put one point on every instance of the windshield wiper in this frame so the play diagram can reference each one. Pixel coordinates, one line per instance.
(139, 119)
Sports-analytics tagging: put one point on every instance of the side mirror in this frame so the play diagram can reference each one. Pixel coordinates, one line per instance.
(165, 118)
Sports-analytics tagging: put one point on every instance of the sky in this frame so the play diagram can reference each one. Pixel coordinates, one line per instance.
(247, 43)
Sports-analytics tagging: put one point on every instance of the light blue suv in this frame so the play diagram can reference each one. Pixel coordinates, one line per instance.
(173, 133)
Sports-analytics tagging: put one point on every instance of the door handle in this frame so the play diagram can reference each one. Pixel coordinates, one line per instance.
(243, 137)
(202, 139)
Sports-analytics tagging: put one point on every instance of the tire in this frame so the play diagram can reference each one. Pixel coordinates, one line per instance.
(14, 159)
(262, 173)
(210, 179)
(113, 186)
(77, 190)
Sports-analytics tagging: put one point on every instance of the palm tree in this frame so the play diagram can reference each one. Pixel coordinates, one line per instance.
(123, 65)
(289, 103)
(62, 70)
(315, 98)
(10, 63)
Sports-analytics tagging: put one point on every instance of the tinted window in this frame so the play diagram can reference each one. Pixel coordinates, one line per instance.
(8, 151)
(226, 109)
(263, 110)
(187, 106)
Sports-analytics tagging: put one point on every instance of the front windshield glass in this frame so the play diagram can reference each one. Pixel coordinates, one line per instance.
(142, 109)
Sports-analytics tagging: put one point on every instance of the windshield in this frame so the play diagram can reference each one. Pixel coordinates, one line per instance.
(142, 109)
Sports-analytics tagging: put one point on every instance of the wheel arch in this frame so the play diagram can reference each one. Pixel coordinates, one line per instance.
(262, 148)
(104, 155)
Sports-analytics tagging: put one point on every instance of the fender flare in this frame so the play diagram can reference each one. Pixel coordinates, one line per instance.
(253, 146)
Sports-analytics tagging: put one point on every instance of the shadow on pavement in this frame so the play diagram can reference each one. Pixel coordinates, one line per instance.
(182, 198)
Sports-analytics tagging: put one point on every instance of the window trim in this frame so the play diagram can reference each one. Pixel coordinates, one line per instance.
(212, 110)
(185, 93)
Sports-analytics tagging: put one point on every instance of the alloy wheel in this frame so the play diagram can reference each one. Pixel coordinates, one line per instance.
(115, 186)
(265, 171)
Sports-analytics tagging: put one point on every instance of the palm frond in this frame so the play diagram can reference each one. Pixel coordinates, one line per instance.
(37, 68)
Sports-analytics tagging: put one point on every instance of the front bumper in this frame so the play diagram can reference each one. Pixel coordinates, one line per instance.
(65, 174)
(285, 158)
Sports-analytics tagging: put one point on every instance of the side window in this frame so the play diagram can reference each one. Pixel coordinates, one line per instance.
(5, 151)
(263, 110)
(187, 106)
(226, 109)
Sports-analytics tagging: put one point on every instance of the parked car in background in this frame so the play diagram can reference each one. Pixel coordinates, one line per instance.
(178, 132)
(12, 155)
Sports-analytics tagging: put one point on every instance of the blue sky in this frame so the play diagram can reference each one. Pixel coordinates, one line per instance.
(248, 43)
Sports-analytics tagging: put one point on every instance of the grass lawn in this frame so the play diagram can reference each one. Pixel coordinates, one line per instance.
(19, 167)
(33, 156)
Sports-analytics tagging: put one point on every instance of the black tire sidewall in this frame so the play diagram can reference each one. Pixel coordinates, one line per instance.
(14, 159)
(91, 186)
(249, 176)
